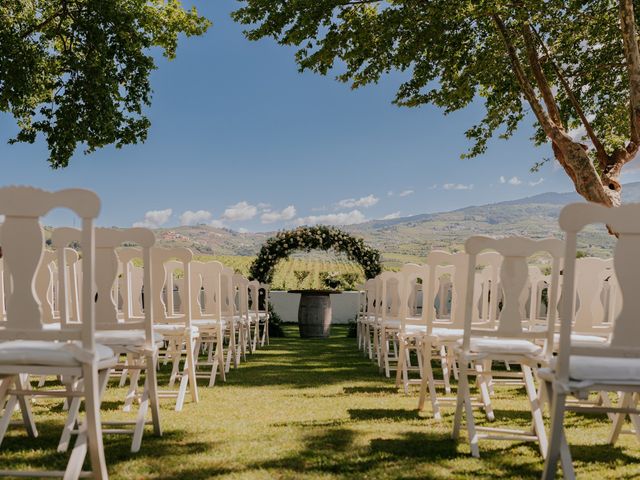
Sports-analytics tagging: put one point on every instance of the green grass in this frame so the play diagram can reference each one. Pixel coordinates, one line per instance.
(316, 409)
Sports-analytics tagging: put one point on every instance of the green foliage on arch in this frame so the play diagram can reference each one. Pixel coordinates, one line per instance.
(313, 238)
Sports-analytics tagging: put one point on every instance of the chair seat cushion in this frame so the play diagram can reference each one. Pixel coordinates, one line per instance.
(507, 346)
(582, 340)
(45, 353)
(134, 338)
(208, 323)
(443, 333)
(605, 370)
(168, 329)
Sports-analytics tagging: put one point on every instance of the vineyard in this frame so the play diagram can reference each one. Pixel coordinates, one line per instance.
(289, 271)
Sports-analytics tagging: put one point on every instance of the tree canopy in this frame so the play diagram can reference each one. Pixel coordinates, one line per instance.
(573, 64)
(77, 71)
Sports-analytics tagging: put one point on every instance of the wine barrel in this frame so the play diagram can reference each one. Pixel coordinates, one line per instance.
(314, 315)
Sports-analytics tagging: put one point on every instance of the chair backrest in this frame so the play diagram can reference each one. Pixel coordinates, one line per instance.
(227, 292)
(210, 287)
(391, 291)
(241, 286)
(22, 240)
(625, 221)
(131, 283)
(162, 283)
(487, 288)
(590, 282)
(412, 275)
(455, 265)
(512, 321)
(108, 267)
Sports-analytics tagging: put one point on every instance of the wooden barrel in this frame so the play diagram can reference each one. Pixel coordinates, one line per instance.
(314, 315)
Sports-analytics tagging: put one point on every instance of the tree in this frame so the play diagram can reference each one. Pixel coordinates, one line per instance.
(77, 71)
(573, 64)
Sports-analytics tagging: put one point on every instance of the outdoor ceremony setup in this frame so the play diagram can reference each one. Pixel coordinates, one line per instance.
(95, 308)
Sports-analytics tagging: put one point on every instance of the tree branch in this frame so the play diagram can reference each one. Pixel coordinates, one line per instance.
(44, 23)
(632, 56)
(549, 127)
(600, 150)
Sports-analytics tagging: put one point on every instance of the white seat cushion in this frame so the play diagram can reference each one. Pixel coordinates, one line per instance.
(45, 353)
(508, 346)
(605, 370)
(208, 322)
(450, 334)
(134, 338)
(173, 329)
(582, 340)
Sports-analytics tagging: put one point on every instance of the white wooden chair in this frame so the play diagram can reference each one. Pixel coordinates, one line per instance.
(130, 336)
(445, 323)
(413, 327)
(27, 348)
(388, 324)
(509, 340)
(369, 318)
(613, 366)
(175, 326)
(206, 301)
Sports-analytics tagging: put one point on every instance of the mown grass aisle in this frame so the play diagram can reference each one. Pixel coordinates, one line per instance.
(317, 409)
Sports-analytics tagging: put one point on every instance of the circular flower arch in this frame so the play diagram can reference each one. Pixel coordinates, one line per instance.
(313, 238)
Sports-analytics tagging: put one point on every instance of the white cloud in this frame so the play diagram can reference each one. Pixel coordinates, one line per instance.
(217, 224)
(511, 181)
(514, 181)
(391, 216)
(365, 202)
(457, 186)
(240, 211)
(154, 218)
(194, 218)
(537, 182)
(390, 193)
(264, 206)
(243, 230)
(286, 214)
(405, 193)
(433, 187)
(344, 218)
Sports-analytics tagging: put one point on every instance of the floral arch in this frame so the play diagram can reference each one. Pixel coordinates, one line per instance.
(313, 238)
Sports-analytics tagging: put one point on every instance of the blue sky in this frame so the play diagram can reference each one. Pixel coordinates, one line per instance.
(239, 138)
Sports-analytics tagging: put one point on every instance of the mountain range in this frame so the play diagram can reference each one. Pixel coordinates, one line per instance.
(407, 238)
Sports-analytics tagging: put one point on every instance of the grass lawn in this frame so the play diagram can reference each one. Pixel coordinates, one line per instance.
(317, 409)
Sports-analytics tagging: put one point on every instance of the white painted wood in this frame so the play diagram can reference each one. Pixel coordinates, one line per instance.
(23, 249)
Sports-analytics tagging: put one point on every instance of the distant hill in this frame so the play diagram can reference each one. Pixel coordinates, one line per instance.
(402, 239)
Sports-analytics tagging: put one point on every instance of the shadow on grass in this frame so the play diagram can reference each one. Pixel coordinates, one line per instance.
(383, 414)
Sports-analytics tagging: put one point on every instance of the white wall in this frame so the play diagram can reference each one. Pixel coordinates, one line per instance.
(344, 306)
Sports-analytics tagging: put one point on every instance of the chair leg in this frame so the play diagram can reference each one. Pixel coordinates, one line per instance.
(25, 407)
(481, 379)
(72, 417)
(93, 427)
(154, 402)
(471, 425)
(134, 379)
(401, 361)
(9, 406)
(444, 362)
(536, 410)
(558, 448)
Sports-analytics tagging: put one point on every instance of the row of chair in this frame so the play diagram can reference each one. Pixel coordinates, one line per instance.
(107, 308)
(490, 315)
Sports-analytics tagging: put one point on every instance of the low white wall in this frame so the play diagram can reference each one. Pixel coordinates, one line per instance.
(344, 306)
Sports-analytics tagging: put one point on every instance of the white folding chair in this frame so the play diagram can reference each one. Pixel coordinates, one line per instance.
(175, 326)
(27, 347)
(610, 367)
(123, 333)
(509, 340)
